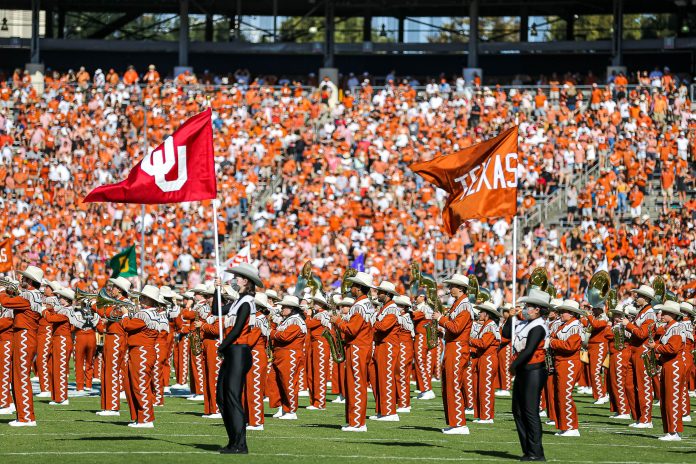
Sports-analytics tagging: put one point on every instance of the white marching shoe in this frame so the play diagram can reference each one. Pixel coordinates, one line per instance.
(389, 418)
(16, 423)
(640, 425)
(217, 415)
(550, 422)
(339, 399)
(569, 433)
(602, 400)
(288, 416)
(35, 379)
(167, 389)
(348, 428)
(686, 419)
(122, 396)
(257, 428)
(80, 393)
(542, 413)
(483, 421)
(620, 416)
(62, 403)
(142, 425)
(426, 395)
(670, 437)
(456, 430)
(469, 411)
(502, 393)
(311, 407)
(44, 395)
(278, 413)
(196, 398)
(108, 413)
(303, 393)
(8, 410)
(404, 409)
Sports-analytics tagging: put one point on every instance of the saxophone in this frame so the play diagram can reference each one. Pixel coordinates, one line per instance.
(338, 352)
(196, 338)
(619, 337)
(550, 361)
(649, 358)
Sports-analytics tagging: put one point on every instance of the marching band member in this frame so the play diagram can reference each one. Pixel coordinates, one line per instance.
(596, 324)
(303, 389)
(172, 313)
(161, 346)
(504, 357)
(318, 320)
(386, 353)
(256, 377)
(142, 329)
(528, 367)
(422, 315)
(486, 343)
(688, 314)
(566, 343)
(619, 357)
(6, 404)
(181, 347)
(61, 317)
(638, 384)
(691, 373)
(357, 330)
(457, 324)
(114, 348)
(211, 342)
(669, 349)
(405, 362)
(469, 373)
(27, 307)
(236, 354)
(200, 311)
(554, 322)
(344, 305)
(43, 346)
(288, 339)
(86, 321)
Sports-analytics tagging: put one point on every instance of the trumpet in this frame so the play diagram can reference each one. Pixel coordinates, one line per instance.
(10, 286)
(104, 300)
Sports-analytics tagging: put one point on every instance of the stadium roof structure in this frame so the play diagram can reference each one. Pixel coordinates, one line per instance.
(58, 50)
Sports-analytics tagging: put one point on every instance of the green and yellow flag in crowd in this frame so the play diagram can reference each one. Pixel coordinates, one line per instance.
(124, 263)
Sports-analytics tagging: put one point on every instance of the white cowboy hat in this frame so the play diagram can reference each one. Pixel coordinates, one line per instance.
(363, 279)
(151, 292)
(53, 285)
(247, 271)
(33, 273)
(166, 292)
(572, 306)
(272, 295)
(66, 293)
(230, 293)
(554, 303)
(291, 301)
(687, 308)
(189, 294)
(645, 291)
(536, 297)
(122, 283)
(402, 300)
(319, 298)
(177, 296)
(387, 287)
(261, 299)
(630, 310)
(347, 301)
(669, 306)
(198, 288)
(489, 307)
(460, 280)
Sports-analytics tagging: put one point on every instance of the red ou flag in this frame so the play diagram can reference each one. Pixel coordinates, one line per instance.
(181, 169)
(481, 180)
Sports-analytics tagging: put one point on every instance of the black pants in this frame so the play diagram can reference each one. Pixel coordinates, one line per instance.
(526, 395)
(230, 386)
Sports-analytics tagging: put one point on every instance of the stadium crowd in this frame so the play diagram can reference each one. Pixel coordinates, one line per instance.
(346, 191)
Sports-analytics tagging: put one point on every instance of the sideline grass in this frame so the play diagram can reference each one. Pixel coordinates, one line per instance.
(75, 434)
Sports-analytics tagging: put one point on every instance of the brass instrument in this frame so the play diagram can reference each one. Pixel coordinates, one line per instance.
(345, 283)
(598, 289)
(619, 337)
(428, 281)
(550, 361)
(539, 279)
(10, 286)
(307, 279)
(660, 289)
(196, 338)
(338, 352)
(476, 293)
(104, 300)
(269, 351)
(649, 357)
(83, 304)
(612, 302)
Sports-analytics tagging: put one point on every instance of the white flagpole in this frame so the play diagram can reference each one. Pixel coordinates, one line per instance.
(217, 268)
(142, 208)
(514, 275)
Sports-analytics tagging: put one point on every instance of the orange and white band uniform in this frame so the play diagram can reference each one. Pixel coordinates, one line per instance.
(142, 329)
(668, 349)
(386, 356)
(424, 360)
(61, 320)
(288, 340)
(486, 344)
(319, 358)
(639, 387)
(566, 345)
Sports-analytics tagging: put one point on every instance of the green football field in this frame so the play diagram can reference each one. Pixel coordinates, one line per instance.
(75, 434)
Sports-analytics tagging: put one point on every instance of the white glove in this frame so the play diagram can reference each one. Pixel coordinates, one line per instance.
(547, 343)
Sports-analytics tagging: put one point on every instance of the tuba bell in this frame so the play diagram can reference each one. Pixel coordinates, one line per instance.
(345, 283)
(472, 290)
(598, 289)
(660, 289)
(538, 279)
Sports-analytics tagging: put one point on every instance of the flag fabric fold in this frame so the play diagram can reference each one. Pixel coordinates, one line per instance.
(481, 180)
(124, 264)
(180, 169)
